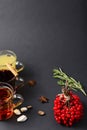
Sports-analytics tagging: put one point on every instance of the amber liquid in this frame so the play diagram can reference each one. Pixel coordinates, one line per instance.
(6, 105)
(7, 76)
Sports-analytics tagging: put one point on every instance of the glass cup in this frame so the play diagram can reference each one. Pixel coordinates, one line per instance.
(16, 82)
(9, 57)
(8, 101)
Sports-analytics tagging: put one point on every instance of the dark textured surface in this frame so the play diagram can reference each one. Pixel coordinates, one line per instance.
(45, 34)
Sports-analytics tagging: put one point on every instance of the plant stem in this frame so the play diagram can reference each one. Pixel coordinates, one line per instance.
(64, 79)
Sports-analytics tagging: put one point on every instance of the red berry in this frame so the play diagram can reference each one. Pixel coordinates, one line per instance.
(67, 115)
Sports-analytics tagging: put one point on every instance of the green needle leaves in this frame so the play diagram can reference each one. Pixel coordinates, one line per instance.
(72, 83)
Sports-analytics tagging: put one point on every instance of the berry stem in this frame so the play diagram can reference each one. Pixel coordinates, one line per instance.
(66, 92)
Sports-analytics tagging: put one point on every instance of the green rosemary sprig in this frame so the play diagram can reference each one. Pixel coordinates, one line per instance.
(72, 83)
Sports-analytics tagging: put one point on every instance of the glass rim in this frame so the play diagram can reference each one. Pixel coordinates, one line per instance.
(9, 87)
(2, 51)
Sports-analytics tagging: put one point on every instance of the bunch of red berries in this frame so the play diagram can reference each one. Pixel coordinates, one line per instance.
(67, 109)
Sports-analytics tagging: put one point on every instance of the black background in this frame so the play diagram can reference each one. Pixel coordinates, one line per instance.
(45, 34)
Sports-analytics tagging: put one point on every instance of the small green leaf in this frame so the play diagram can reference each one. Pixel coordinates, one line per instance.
(72, 83)
(60, 82)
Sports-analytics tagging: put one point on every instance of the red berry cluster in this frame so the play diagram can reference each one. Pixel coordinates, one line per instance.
(67, 115)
